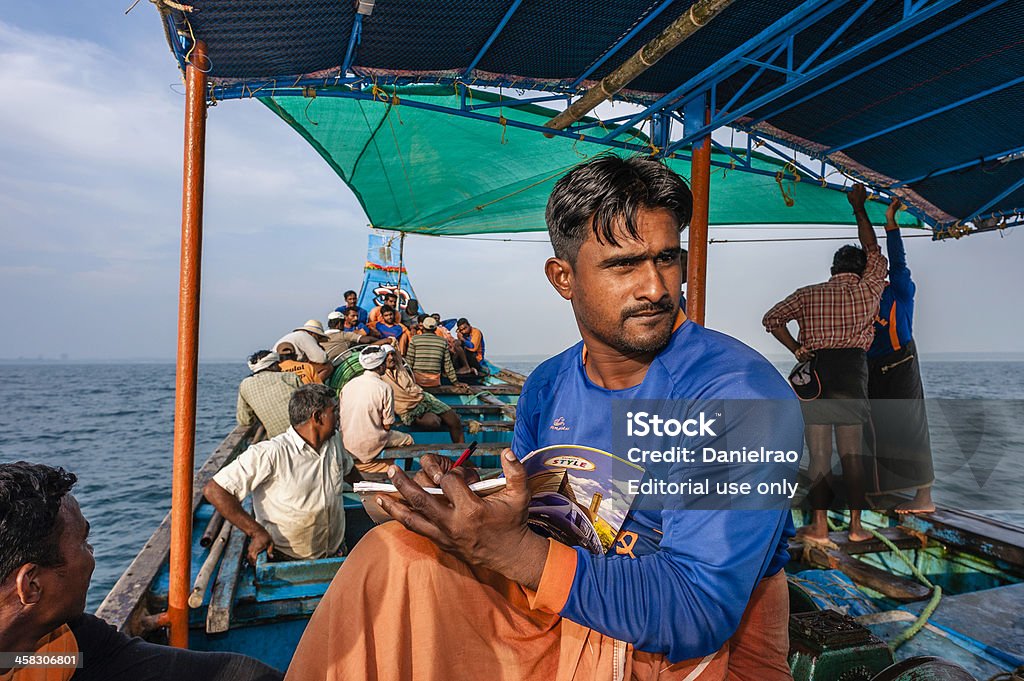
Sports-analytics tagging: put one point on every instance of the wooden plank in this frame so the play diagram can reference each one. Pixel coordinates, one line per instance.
(511, 377)
(500, 389)
(478, 408)
(125, 605)
(895, 587)
(222, 600)
(474, 426)
(851, 548)
(972, 533)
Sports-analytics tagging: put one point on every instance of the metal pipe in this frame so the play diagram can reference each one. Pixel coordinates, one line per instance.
(188, 346)
(699, 14)
(697, 246)
(212, 529)
(195, 599)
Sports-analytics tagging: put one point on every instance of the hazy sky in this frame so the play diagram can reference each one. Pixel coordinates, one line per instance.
(90, 181)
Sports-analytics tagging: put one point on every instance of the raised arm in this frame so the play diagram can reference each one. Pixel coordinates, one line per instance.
(865, 232)
(899, 273)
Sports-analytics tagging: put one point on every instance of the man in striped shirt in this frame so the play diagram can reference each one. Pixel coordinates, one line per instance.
(428, 357)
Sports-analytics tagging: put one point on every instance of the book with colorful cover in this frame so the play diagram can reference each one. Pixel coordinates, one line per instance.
(579, 495)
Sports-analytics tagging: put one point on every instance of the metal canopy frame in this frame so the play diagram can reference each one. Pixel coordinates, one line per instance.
(773, 50)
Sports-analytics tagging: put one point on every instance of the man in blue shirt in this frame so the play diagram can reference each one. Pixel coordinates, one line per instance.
(903, 454)
(683, 593)
(351, 301)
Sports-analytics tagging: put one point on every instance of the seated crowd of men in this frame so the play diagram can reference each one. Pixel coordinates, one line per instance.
(329, 400)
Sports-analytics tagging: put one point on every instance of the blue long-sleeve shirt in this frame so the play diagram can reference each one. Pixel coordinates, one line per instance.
(680, 578)
(894, 324)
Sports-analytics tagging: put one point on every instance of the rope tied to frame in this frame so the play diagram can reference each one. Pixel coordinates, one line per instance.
(933, 603)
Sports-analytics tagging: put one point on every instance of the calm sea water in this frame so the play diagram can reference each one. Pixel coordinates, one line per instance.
(112, 424)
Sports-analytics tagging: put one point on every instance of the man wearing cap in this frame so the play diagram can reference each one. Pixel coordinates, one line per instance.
(368, 412)
(416, 407)
(304, 343)
(428, 357)
(296, 482)
(339, 340)
(264, 395)
(301, 353)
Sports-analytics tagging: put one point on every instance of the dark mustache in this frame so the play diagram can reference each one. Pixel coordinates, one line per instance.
(663, 305)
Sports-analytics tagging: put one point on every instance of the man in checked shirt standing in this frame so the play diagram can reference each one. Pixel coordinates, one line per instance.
(836, 320)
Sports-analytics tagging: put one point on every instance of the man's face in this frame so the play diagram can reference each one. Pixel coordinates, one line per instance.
(390, 362)
(350, 300)
(65, 586)
(328, 425)
(391, 300)
(464, 329)
(351, 318)
(388, 316)
(626, 296)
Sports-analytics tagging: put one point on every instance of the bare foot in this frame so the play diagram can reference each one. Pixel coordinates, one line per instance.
(859, 534)
(915, 506)
(812, 533)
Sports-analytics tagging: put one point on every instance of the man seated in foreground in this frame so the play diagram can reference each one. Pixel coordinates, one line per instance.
(296, 481)
(264, 395)
(463, 589)
(416, 407)
(368, 412)
(46, 564)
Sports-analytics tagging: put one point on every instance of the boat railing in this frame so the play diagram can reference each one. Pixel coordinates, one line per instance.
(127, 607)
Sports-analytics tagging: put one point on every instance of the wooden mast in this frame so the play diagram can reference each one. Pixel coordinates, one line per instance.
(188, 345)
(700, 184)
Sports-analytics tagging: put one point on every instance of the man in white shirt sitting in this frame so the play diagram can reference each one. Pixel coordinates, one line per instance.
(296, 482)
(368, 412)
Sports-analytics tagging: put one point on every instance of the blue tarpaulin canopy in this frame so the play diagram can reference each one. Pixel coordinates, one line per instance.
(921, 99)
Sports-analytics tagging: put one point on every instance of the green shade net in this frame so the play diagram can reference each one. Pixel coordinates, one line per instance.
(432, 172)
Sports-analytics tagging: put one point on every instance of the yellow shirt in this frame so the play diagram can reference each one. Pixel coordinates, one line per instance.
(58, 642)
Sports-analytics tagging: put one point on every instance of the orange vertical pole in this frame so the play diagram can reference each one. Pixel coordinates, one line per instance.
(697, 248)
(188, 346)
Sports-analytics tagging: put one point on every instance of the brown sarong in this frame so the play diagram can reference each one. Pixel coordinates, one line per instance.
(400, 609)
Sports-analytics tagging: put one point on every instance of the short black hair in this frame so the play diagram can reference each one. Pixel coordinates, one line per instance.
(421, 316)
(386, 308)
(257, 356)
(308, 400)
(390, 294)
(604, 195)
(348, 293)
(849, 259)
(30, 499)
(463, 320)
